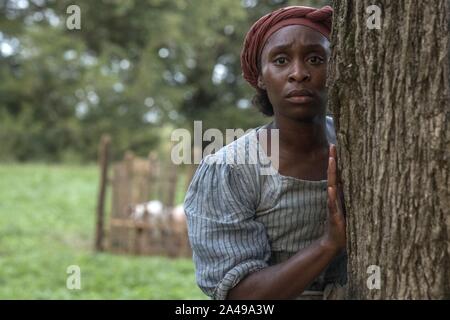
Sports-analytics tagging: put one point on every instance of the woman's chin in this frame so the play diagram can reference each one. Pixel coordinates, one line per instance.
(306, 114)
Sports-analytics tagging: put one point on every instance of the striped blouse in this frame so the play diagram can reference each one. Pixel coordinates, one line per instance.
(241, 221)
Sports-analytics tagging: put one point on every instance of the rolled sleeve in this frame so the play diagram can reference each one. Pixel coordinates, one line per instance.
(227, 242)
(236, 274)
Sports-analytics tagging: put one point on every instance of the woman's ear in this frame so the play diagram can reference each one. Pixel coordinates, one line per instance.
(261, 83)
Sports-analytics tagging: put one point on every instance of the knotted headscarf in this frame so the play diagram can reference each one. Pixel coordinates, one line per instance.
(317, 19)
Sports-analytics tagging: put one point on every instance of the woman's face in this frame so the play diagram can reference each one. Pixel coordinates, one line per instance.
(293, 72)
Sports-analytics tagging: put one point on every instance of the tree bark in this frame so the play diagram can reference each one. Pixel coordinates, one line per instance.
(389, 93)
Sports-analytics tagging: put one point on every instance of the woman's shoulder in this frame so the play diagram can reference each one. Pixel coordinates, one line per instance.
(231, 169)
(240, 154)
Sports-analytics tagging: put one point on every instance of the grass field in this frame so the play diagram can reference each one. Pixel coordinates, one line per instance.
(47, 224)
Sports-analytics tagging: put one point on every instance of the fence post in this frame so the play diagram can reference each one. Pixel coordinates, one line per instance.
(103, 155)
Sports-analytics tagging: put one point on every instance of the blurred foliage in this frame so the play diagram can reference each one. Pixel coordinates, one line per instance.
(137, 69)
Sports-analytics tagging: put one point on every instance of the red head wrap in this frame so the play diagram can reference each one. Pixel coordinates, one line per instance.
(317, 19)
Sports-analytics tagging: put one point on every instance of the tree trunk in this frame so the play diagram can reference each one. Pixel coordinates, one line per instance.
(389, 93)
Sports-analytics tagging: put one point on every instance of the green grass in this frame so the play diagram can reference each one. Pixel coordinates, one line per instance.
(47, 224)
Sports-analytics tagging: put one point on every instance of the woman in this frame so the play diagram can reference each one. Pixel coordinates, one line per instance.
(279, 235)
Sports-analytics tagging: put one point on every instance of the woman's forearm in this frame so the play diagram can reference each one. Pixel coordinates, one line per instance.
(288, 279)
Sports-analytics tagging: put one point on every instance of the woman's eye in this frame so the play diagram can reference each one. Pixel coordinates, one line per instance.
(315, 60)
(280, 60)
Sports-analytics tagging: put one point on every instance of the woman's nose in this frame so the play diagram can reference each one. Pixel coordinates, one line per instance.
(298, 72)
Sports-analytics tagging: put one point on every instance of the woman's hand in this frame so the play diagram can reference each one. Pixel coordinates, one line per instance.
(334, 236)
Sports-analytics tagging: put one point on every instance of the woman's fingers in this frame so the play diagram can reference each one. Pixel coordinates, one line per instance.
(332, 176)
(334, 191)
(332, 204)
(333, 152)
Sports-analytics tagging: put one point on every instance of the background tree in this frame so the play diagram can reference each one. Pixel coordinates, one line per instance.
(136, 70)
(389, 91)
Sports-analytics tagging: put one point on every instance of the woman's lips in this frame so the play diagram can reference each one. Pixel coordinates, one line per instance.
(300, 99)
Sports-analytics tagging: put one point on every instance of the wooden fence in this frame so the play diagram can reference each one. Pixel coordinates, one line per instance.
(133, 227)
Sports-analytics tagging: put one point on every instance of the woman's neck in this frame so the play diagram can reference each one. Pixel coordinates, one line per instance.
(301, 137)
